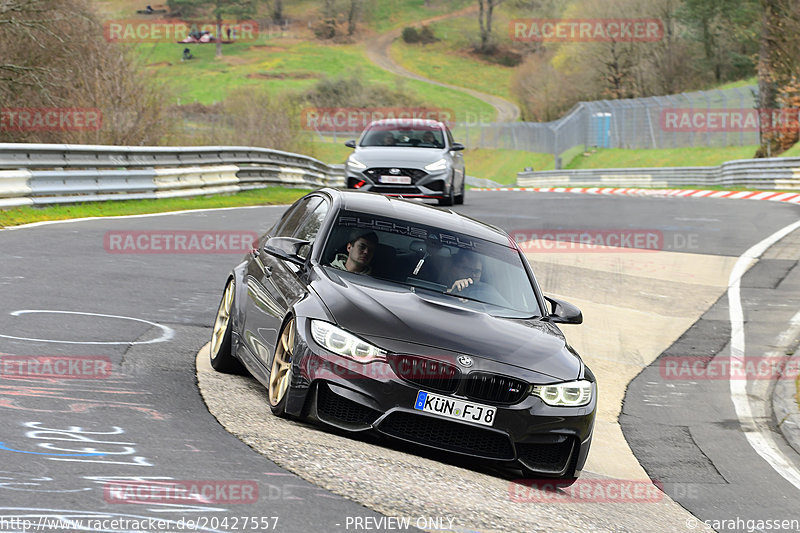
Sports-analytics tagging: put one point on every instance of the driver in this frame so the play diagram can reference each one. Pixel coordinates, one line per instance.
(467, 269)
(429, 138)
(360, 251)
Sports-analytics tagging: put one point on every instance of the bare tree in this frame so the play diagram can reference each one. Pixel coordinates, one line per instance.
(277, 12)
(778, 68)
(55, 56)
(352, 16)
(485, 15)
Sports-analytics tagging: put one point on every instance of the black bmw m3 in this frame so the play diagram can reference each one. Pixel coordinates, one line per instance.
(374, 314)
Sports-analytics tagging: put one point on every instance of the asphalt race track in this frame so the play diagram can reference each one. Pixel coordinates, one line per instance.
(83, 451)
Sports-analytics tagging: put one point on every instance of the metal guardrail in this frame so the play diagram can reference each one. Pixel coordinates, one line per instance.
(775, 173)
(37, 174)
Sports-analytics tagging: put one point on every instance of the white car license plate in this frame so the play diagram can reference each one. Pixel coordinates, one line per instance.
(453, 408)
(396, 180)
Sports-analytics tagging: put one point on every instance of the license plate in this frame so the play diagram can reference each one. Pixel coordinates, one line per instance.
(396, 180)
(453, 408)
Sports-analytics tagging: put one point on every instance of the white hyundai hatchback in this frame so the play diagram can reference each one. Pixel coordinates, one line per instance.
(412, 158)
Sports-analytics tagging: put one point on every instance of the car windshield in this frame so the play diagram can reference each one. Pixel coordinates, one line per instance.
(405, 135)
(459, 268)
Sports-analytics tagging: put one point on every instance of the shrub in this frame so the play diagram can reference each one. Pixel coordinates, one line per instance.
(410, 35)
(426, 35)
(353, 92)
(413, 36)
(249, 116)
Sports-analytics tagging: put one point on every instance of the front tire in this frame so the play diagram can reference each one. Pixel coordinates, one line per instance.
(449, 199)
(459, 200)
(280, 377)
(220, 351)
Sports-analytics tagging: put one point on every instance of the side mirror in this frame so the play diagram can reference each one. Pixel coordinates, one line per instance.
(457, 147)
(351, 143)
(286, 248)
(564, 312)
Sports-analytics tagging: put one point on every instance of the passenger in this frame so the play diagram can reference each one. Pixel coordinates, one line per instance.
(388, 139)
(360, 251)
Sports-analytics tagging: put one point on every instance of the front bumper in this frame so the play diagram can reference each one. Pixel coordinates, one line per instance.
(423, 184)
(354, 397)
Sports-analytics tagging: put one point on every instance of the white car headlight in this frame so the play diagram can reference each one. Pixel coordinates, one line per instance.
(437, 165)
(569, 394)
(355, 164)
(344, 343)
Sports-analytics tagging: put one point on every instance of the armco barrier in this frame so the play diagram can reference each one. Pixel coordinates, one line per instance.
(36, 174)
(781, 173)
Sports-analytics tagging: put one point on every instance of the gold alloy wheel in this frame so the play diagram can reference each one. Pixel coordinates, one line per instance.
(222, 320)
(281, 373)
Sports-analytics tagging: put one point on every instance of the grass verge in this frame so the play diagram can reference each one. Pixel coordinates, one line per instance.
(439, 63)
(669, 157)
(386, 15)
(27, 214)
(449, 60)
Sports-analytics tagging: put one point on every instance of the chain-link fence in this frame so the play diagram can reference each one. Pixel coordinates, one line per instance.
(704, 118)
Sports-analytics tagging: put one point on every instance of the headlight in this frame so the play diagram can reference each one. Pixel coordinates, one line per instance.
(437, 165)
(355, 164)
(345, 344)
(569, 394)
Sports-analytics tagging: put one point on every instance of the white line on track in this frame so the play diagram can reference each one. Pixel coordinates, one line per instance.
(144, 215)
(167, 332)
(758, 435)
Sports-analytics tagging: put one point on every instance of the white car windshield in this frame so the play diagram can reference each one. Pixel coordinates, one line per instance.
(398, 135)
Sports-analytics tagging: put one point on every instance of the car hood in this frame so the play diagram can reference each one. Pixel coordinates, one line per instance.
(370, 309)
(379, 156)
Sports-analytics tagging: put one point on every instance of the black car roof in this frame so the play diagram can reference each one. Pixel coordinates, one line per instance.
(412, 211)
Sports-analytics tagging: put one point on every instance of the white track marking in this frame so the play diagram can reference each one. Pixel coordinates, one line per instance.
(144, 215)
(167, 332)
(758, 435)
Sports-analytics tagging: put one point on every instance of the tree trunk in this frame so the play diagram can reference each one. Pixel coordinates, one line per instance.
(767, 78)
(484, 36)
(277, 12)
(352, 15)
(489, 10)
(218, 35)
